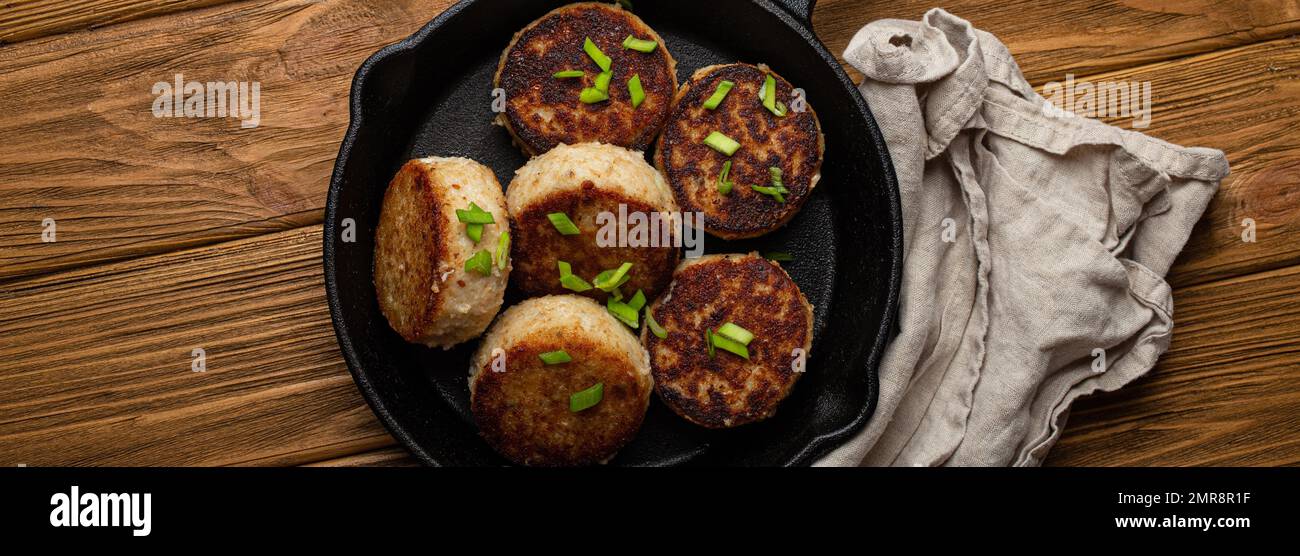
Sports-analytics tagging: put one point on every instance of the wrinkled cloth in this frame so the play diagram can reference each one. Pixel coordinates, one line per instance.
(1036, 245)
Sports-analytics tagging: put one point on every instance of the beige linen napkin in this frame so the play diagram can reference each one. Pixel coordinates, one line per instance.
(1036, 246)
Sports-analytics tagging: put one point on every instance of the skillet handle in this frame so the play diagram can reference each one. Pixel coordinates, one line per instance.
(802, 10)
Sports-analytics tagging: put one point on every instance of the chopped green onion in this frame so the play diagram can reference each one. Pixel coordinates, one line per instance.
(602, 82)
(639, 45)
(724, 186)
(568, 74)
(734, 332)
(596, 55)
(623, 312)
(637, 301)
(574, 283)
(719, 94)
(727, 344)
(571, 281)
(555, 357)
(587, 399)
(474, 215)
(481, 263)
(778, 256)
(655, 328)
(768, 95)
(708, 340)
(634, 89)
(474, 231)
(773, 192)
(503, 249)
(722, 143)
(775, 172)
(563, 224)
(610, 279)
(592, 96)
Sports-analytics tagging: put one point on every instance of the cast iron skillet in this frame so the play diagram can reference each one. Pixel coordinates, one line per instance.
(431, 95)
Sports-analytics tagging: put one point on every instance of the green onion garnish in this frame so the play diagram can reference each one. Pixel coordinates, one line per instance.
(727, 344)
(724, 186)
(568, 74)
(555, 357)
(639, 45)
(708, 340)
(623, 312)
(571, 281)
(587, 399)
(503, 249)
(611, 279)
(481, 263)
(734, 332)
(722, 143)
(719, 94)
(592, 96)
(777, 193)
(778, 256)
(768, 95)
(654, 325)
(596, 55)
(474, 231)
(634, 89)
(474, 215)
(563, 224)
(775, 172)
(602, 81)
(637, 301)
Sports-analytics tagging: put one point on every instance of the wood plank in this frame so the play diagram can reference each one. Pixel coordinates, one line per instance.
(1050, 39)
(391, 456)
(22, 20)
(121, 183)
(1224, 394)
(95, 364)
(95, 370)
(88, 152)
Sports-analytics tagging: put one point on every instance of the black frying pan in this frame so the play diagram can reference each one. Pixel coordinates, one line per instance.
(431, 95)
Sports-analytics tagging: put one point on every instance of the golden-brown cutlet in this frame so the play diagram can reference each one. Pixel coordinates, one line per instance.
(726, 390)
(793, 143)
(543, 111)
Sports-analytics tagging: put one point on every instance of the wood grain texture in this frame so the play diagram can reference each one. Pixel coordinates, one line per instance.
(88, 152)
(22, 20)
(1224, 394)
(95, 364)
(1050, 39)
(91, 155)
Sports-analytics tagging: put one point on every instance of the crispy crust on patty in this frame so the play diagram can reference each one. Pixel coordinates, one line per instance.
(524, 412)
(793, 142)
(727, 390)
(543, 111)
(537, 245)
(422, 287)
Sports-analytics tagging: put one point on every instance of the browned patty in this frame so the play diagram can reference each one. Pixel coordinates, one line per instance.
(537, 245)
(406, 259)
(543, 111)
(524, 412)
(727, 390)
(793, 142)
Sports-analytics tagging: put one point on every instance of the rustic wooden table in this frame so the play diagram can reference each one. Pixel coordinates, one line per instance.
(177, 234)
